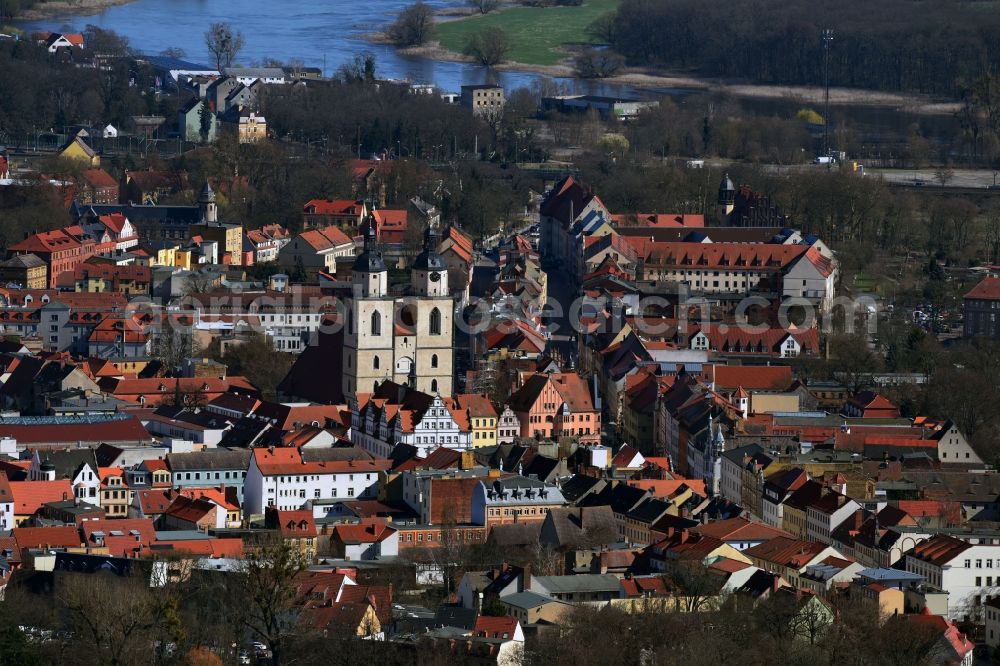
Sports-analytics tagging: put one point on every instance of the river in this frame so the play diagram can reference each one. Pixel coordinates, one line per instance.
(320, 34)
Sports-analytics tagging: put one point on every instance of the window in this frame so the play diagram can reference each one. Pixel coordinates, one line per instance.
(375, 360)
(376, 323)
(434, 386)
(435, 322)
(434, 360)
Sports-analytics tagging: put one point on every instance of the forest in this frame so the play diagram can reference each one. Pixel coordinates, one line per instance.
(933, 46)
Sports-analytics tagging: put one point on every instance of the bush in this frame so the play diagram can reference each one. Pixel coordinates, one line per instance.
(489, 46)
(414, 25)
(598, 64)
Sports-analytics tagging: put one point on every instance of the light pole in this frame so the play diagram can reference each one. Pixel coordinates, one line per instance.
(827, 39)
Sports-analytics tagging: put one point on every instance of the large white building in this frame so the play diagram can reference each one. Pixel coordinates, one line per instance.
(969, 572)
(395, 414)
(408, 339)
(282, 478)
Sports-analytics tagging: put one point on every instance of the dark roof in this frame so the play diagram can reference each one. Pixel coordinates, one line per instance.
(515, 534)
(572, 527)
(370, 260)
(210, 459)
(579, 485)
(67, 463)
(429, 259)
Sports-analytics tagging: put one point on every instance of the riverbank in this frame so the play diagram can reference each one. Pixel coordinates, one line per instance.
(46, 10)
(644, 79)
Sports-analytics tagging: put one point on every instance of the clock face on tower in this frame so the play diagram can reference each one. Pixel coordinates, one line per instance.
(435, 276)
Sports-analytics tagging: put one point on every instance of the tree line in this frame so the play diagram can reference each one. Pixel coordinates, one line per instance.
(928, 47)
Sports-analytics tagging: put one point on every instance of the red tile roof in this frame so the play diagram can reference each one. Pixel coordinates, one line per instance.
(289, 461)
(63, 536)
(29, 496)
(786, 551)
(189, 509)
(99, 178)
(740, 529)
(988, 289)
(296, 524)
(774, 377)
(644, 586)
(372, 532)
(46, 242)
(135, 530)
(333, 207)
(125, 430)
(328, 238)
(496, 626)
(939, 550)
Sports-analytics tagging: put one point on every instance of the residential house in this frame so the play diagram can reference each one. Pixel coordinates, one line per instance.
(287, 480)
(369, 540)
(557, 405)
(190, 121)
(966, 571)
(580, 588)
(481, 416)
(96, 186)
(26, 270)
(826, 513)
(317, 250)
(77, 150)
(297, 529)
(210, 468)
(61, 251)
(789, 557)
(246, 125)
(513, 499)
(28, 497)
(345, 214)
(115, 496)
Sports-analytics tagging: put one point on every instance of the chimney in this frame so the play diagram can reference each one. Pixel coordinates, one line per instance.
(468, 460)
(526, 578)
(684, 535)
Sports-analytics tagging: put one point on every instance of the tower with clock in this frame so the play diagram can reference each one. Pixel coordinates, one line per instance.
(408, 339)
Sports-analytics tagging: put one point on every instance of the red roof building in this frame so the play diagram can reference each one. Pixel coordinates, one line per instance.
(29, 496)
(346, 214)
(61, 251)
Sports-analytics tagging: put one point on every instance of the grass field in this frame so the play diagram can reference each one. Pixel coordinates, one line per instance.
(536, 33)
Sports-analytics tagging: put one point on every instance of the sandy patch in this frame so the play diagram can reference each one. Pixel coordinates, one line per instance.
(67, 7)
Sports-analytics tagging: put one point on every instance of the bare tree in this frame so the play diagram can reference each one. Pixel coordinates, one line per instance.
(414, 26)
(484, 6)
(489, 46)
(115, 616)
(266, 584)
(223, 44)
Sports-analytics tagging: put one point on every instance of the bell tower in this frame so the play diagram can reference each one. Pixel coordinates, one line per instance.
(206, 203)
(429, 273)
(727, 200)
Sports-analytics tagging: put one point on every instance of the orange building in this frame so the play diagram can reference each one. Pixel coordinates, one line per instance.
(557, 405)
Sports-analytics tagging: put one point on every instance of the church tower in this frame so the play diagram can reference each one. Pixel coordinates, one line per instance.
(727, 200)
(434, 325)
(368, 329)
(206, 204)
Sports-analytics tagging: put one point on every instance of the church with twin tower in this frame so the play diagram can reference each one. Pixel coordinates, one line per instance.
(407, 339)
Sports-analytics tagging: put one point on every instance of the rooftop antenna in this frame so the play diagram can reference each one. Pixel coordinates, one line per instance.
(827, 40)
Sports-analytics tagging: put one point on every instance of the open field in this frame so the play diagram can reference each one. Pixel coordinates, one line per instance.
(537, 33)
